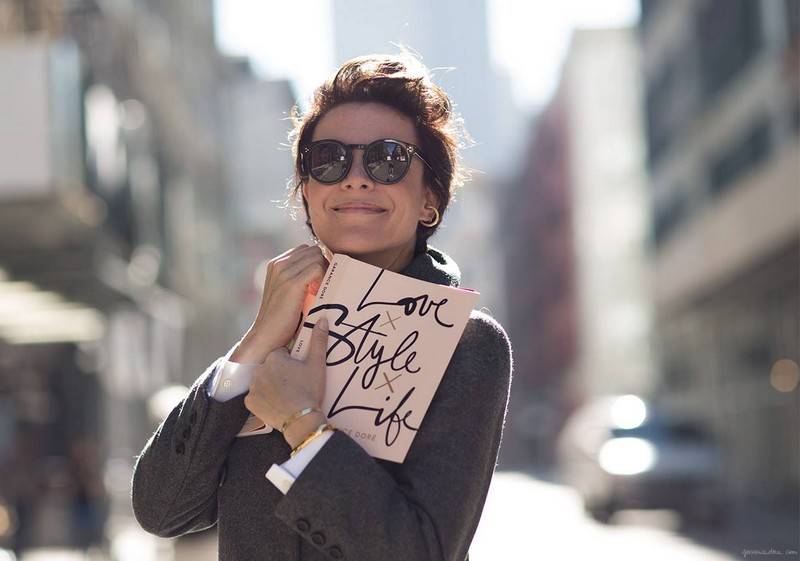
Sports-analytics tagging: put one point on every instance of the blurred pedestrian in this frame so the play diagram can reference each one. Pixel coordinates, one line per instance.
(90, 503)
(376, 159)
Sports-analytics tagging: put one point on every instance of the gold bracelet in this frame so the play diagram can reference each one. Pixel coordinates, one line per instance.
(301, 413)
(307, 440)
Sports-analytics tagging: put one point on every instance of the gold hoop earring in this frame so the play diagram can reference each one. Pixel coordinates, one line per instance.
(433, 221)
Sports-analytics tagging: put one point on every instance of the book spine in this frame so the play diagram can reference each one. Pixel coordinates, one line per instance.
(332, 280)
(326, 293)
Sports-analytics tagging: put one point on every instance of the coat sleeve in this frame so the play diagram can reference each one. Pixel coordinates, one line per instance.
(176, 477)
(351, 506)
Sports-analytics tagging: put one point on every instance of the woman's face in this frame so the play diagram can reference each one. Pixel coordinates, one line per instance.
(358, 216)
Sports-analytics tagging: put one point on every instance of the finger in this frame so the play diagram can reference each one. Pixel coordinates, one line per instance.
(325, 263)
(292, 276)
(300, 268)
(293, 251)
(310, 272)
(319, 341)
(302, 251)
(285, 261)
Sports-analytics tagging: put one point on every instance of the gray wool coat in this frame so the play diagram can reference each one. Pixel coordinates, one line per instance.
(193, 472)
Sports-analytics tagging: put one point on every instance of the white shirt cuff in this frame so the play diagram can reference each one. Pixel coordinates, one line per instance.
(284, 475)
(231, 380)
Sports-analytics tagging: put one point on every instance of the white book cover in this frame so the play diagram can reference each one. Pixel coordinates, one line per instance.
(390, 340)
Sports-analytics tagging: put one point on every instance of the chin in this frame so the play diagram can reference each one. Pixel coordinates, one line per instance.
(371, 246)
(361, 253)
(356, 245)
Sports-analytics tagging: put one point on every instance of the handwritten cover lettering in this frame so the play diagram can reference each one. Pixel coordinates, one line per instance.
(390, 340)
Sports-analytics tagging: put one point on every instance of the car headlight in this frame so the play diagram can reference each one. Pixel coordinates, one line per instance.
(627, 456)
(7, 521)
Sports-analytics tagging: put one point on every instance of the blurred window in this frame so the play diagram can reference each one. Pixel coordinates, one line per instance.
(669, 216)
(793, 18)
(673, 99)
(740, 157)
(796, 116)
(657, 114)
(729, 34)
(647, 9)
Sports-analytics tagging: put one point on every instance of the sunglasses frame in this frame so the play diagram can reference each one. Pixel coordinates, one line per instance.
(410, 149)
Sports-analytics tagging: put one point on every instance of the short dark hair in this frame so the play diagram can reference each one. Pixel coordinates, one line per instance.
(403, 83)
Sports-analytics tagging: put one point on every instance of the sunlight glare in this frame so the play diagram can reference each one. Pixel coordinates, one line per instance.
(282, 39)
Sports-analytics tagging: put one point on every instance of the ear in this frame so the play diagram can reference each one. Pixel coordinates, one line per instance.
(430, 201)
(304, 199)
(430, 198)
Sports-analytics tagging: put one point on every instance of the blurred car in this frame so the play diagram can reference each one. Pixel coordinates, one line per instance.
(619, 453)
(8, 526)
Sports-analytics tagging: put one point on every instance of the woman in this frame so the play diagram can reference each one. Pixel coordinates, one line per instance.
(376, 159)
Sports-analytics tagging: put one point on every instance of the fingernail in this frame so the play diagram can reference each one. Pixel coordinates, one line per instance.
(323, 323)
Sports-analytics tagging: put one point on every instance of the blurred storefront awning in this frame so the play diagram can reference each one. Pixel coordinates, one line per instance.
(29, 314)
(62, 271)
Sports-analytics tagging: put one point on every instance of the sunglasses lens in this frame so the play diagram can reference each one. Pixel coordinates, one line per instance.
(327, 162)
(387, 162)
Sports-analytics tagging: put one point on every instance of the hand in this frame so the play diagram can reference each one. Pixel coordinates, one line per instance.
(291, 278)
(284, 385)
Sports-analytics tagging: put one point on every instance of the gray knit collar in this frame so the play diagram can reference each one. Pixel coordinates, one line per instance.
(433, 266)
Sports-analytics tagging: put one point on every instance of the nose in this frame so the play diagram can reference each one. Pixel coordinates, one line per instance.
(357, 177)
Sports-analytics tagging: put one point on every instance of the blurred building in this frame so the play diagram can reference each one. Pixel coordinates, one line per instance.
(540, 283)
(436, 32)
(577, 240)
(610, 214)
(259, 163)
(722, 88)
(134, 163)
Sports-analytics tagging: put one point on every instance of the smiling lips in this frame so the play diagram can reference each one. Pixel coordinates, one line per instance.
(358, 208)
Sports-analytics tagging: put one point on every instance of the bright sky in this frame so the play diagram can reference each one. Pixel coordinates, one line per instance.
(528, 38)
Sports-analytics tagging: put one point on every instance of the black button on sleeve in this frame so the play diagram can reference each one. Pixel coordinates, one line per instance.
(193, 417)
(180, 448)
(318, 538)
(302, 525)
(187, 432)
(335, 553)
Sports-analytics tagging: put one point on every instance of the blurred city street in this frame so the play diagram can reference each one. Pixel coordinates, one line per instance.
(528, 518)
(632, 221)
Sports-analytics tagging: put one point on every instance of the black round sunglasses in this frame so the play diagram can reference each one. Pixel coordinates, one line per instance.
(386, 161)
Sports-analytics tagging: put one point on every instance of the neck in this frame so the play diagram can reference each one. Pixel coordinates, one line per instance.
(390, 260)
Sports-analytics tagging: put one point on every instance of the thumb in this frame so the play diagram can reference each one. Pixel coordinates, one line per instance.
(319, 341)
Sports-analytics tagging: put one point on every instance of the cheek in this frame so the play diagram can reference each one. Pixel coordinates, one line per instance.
(312, 198)
(420, 202)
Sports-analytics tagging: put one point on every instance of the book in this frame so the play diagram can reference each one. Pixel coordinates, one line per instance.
(390, 340)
